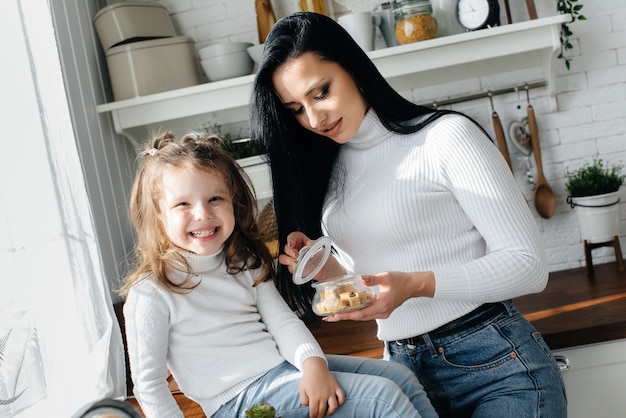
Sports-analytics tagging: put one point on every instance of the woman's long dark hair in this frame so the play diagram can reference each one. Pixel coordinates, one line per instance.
(300, 160)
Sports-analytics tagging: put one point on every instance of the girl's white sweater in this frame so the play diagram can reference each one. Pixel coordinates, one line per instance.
(442, 200)
(216, 339)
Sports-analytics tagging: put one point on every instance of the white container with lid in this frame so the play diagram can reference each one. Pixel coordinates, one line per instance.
(338, 295)
(148, 67)
(130, 22)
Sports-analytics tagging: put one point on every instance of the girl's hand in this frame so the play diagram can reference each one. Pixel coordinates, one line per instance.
(318, 389)
(395, 289)
(295, 241)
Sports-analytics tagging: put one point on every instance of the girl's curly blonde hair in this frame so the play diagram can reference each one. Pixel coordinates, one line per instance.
(154, 252)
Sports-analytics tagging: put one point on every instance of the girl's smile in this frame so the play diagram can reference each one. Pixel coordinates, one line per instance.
(196, 210)
(203, 234)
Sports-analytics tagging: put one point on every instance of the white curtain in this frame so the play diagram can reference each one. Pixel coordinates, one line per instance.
(60, 346)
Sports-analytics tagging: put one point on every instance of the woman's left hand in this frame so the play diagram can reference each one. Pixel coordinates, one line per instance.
(395, 288)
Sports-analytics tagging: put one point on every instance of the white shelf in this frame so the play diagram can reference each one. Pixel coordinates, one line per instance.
(457, 57)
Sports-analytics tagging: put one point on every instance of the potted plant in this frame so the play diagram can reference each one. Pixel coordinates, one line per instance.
(572, 8)
(593, 190)
(261, 410)
(239, 148)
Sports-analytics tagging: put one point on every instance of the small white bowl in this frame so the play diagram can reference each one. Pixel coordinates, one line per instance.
(228, 66)
(255, 52)
(223, 48)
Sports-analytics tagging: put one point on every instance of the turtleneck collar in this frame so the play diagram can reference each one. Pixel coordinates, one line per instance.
(203, 263)
(200, 264)
(370, 133)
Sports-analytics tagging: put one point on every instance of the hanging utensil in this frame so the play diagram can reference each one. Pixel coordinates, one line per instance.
(519, 133)
(545, 199)
(497, 127)
(532, 10)
(508, 12)
(529, 175)
(265, 18)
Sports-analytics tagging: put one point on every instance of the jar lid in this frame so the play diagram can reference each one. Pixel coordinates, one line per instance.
(416, 6)
(311, 260)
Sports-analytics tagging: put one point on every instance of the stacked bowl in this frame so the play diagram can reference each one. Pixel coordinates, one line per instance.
(255, 52)
(226, 60)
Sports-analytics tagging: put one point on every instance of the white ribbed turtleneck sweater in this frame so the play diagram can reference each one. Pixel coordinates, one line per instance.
(442, 200)
(216, 339)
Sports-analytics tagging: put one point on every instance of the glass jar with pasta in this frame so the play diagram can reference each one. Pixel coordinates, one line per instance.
(334, 295)
(414, 21)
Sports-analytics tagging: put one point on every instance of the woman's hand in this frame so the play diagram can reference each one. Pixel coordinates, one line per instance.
(318, 389)
(395, 288)
(295, 242)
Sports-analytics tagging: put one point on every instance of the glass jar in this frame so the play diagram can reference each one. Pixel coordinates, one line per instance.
(336, 295)
(343, 294)
(414, 21)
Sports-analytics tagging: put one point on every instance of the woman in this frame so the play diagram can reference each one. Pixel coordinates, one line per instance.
(420, 202)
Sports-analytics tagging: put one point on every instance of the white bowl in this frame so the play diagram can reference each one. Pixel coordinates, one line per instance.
(255, 52)
(223, 48)
(228, 66)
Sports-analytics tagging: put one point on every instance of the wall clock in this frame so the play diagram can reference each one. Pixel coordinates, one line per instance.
(478, 14)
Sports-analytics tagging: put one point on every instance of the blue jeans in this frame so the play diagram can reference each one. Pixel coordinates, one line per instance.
(373, 388)
(501, 367)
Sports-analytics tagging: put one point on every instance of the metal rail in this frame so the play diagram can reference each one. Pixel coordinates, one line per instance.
(513, 89)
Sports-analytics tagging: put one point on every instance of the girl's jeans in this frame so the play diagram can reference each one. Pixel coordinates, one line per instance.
(499, 368)
(373, 388)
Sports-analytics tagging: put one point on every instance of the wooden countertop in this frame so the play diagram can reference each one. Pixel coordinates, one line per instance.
(576, 310)
(573, 310)
(354, 338)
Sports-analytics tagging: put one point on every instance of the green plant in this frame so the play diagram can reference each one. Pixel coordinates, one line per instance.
(261, 410)
(572, 8)
(595, 179)
(236, 146)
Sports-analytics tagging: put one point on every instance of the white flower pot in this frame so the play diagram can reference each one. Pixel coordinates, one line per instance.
(258, 170)
(597, 216)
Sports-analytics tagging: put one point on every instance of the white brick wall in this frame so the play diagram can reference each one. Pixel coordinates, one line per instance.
(591, 97)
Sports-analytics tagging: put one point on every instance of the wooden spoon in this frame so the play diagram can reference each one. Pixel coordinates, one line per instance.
(265, 18)
(532, 10)
(545, 199)
(497, 127)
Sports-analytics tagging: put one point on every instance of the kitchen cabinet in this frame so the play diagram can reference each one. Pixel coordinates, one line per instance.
(595, 378)
(583, 320)
(522, 45)
(577, 310)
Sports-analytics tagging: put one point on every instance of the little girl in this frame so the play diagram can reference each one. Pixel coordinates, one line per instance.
(203, 305)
